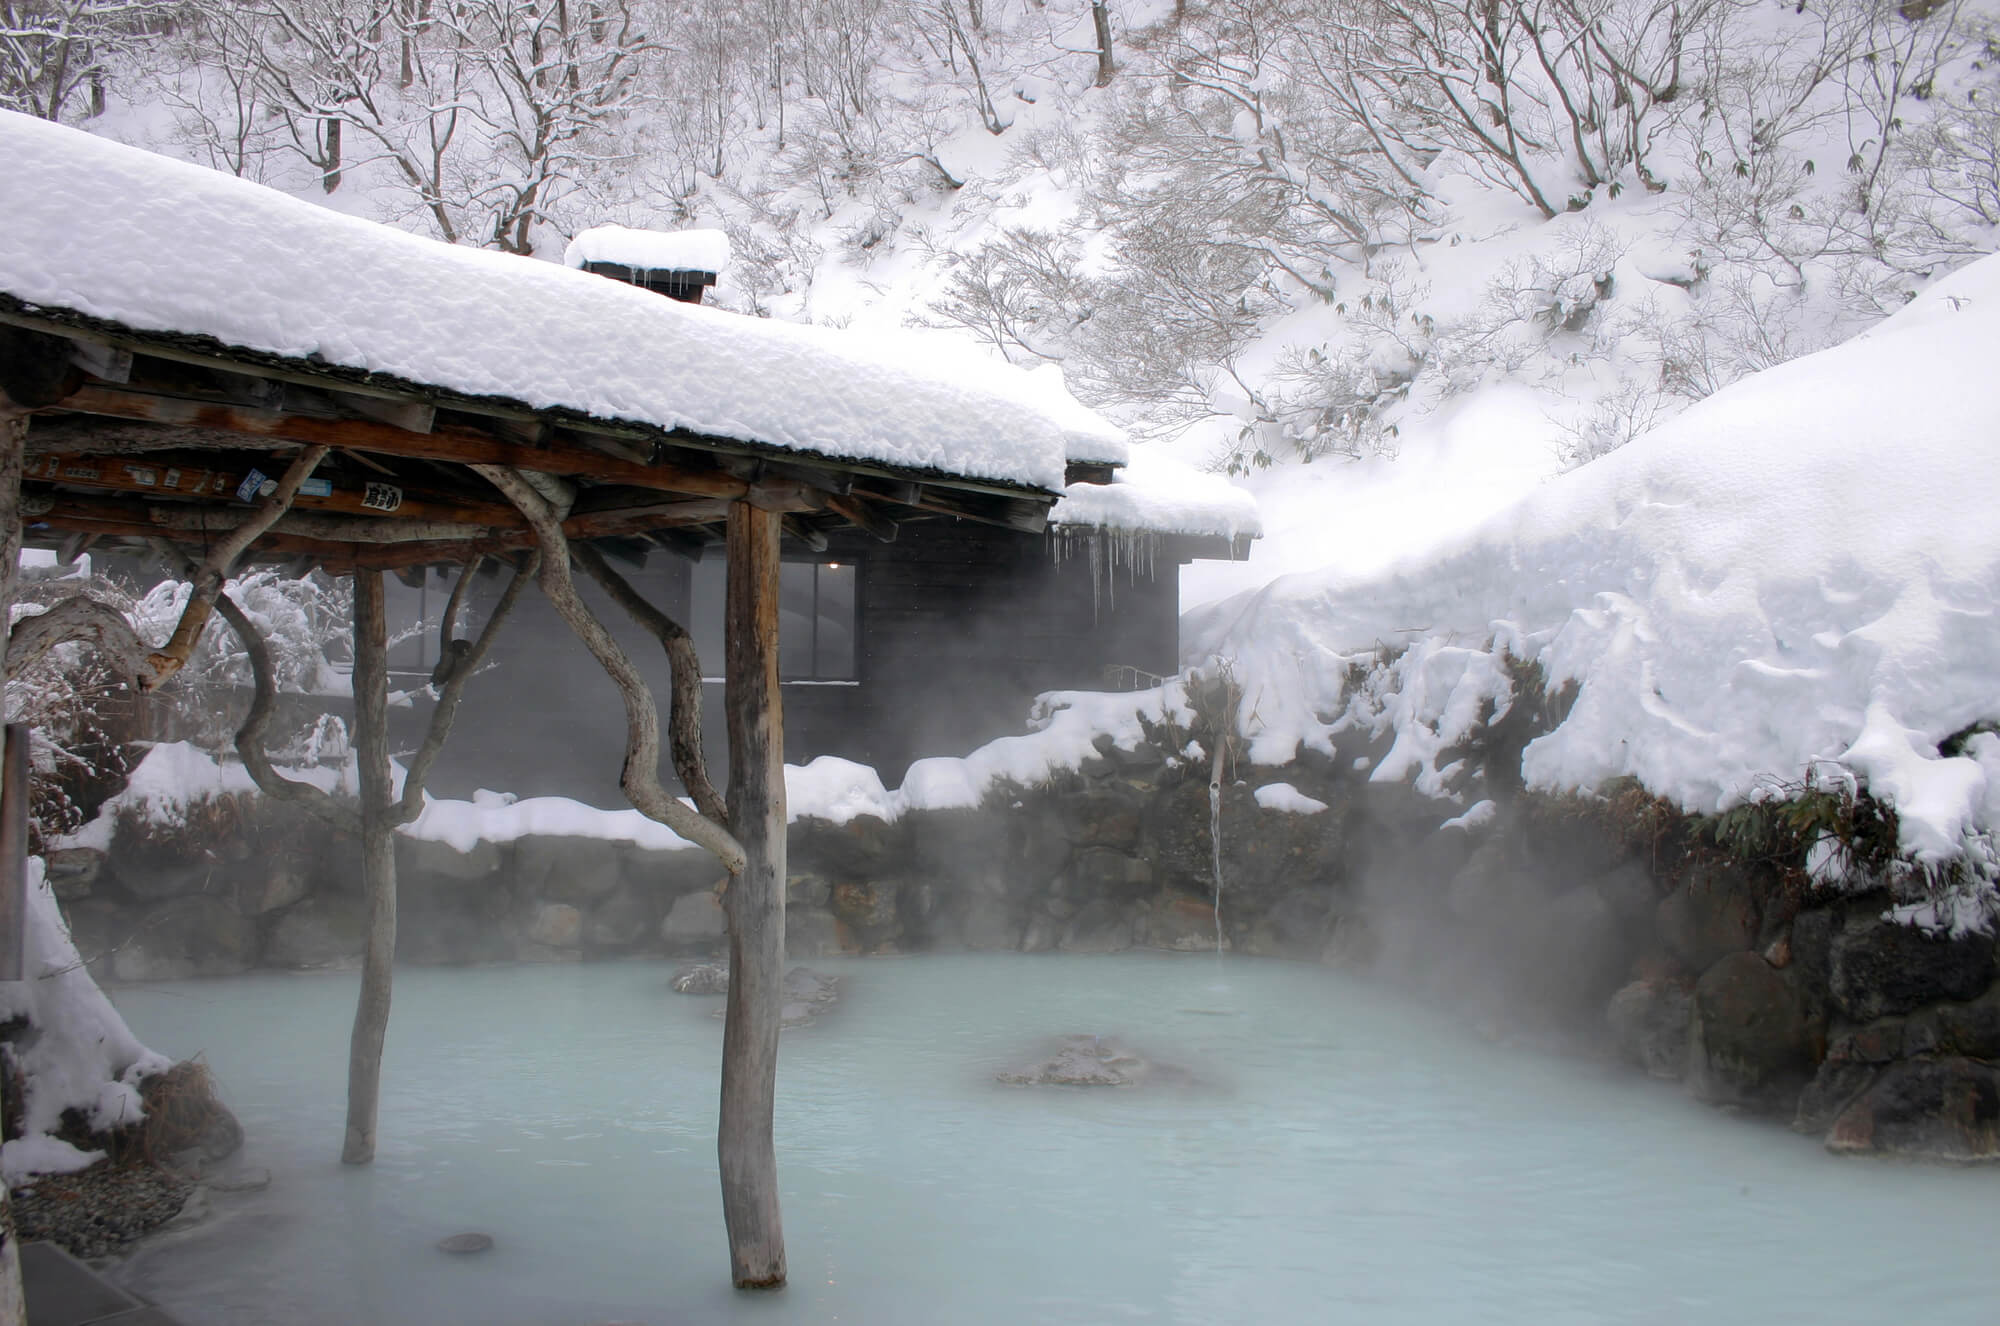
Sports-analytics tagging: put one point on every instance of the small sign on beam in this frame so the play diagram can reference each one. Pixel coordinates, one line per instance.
(14, 853)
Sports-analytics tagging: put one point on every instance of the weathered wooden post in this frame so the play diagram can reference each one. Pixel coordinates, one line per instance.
(13, 800)
(755, 903)
(378, 867)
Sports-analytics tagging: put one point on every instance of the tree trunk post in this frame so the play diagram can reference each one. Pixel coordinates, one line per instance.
(378, 867)
(13, 449)
(755, 903)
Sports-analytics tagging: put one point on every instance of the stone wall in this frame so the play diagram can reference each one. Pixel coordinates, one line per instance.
(1726, 975)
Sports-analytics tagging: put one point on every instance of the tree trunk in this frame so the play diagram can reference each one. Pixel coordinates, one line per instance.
(13, 447)
(1100, 18)
(755, 903)
(378, 866)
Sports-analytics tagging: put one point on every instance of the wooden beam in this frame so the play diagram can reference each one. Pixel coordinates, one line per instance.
(455, 444)
(206, 475)
(864, 518)
(755, 903)
(805, 534)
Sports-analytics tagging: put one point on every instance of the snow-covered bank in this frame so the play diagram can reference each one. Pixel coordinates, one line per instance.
(1799, 576)
(80, 1054)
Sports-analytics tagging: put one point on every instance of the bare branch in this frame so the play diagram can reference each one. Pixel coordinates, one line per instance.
(467, 662)
(640, 778)
(250, 737)
(79, 619)
(684, 666)
(173, 655)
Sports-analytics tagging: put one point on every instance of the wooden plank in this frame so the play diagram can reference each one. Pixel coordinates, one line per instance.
(755, 903)
(14, 854)
(199, 475)
(454, 443)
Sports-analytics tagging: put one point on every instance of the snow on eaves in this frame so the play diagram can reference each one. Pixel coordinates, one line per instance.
(650, 250)
(1156, 494)
(1799, 574)
(156, 245)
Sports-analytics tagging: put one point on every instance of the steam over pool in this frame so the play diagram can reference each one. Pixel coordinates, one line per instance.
(1346, 1157)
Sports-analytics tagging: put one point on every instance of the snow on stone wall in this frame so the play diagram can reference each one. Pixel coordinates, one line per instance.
(1799, 575)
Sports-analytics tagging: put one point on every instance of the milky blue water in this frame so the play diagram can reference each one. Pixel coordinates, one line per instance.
(1348, 1156)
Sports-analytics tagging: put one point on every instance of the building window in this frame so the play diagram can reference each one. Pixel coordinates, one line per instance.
(816, 619)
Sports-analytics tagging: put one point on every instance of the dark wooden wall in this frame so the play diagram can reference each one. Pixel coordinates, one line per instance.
(960, 627)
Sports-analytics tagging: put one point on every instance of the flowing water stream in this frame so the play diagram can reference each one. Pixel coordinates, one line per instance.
(1341, 1155)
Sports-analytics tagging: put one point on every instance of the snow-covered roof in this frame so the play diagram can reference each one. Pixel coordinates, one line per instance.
(650, 250)
(1156, 494)
(1802, 570)
(112, 233)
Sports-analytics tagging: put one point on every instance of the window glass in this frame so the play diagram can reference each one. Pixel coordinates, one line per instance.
(816, 622)
(796, 619)
(705, 615)
(833, 654)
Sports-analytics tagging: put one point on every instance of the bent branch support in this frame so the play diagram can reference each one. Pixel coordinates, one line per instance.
(641, 776)
(684, 667)
(221, 560)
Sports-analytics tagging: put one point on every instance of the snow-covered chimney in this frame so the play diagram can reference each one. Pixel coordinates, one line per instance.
(679, 264)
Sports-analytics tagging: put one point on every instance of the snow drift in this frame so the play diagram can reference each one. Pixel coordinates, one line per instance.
(1797, 577)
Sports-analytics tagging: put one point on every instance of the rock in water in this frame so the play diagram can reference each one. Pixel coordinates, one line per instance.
(702, 978)
(461, 1245)
(1092, 1061)
(807, 995)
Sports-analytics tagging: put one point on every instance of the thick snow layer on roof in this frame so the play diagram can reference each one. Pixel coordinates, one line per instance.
(650, 250)
(160, 245)
(1800, 575)
(1157, 494)
(80, 1056)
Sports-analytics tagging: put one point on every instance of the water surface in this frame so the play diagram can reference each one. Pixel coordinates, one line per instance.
(1348, 1156)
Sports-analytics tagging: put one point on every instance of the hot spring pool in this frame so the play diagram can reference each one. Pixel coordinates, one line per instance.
(1350, 1157)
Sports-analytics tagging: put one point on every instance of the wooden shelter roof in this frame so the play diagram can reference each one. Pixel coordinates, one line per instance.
(177, 332)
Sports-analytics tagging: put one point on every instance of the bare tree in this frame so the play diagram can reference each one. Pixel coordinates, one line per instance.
(50, 50)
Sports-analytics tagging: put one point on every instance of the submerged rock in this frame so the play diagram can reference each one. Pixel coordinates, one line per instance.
(702, 978)
(807, 993)
(1649, 1024)
(461, 1245)
(1933, 1109)
(1747, 1043)
(1094, 1061)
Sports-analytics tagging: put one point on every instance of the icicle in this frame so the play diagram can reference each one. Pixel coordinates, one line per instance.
(1215, 833)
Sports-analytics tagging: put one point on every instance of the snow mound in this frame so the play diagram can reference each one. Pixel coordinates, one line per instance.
(1157, 494)
(80, 1056)
(650, 250)
(111, 232)
(1798, 576)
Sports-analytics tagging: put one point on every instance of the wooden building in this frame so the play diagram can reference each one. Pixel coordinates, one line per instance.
(201, 368)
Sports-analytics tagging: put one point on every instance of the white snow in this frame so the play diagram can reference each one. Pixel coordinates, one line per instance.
(1800, 573)
(1284, 797)
(81, 1056)
(650, 250)
(1155, 493)
(158, 245)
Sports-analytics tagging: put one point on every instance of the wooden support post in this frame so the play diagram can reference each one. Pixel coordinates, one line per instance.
(755, 903)
(13, 445)
(378, 866)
